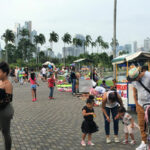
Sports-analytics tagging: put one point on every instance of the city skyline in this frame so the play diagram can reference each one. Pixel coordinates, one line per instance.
(80, 17)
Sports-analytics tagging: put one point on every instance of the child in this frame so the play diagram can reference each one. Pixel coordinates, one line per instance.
(51, 82)
(88, 125)
(33, 83)
(129, 124)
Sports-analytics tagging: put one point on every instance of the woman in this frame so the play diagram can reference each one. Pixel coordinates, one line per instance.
(110, 102)
(6, 109)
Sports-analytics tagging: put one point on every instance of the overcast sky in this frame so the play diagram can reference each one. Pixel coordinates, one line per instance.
(94, 17)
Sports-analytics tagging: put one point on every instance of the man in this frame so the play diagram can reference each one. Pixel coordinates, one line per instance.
(44, 73)
(141, 97)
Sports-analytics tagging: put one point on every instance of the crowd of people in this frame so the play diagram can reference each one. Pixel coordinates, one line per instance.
(111, 102)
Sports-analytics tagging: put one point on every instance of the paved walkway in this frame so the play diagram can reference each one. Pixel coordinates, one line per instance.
(54, 124)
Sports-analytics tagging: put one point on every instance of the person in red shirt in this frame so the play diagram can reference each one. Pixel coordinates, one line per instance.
(51, 82)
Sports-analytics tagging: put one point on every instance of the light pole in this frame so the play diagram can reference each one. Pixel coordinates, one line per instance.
(114, 37)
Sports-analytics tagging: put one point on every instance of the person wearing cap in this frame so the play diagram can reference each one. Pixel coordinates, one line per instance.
(141, 97)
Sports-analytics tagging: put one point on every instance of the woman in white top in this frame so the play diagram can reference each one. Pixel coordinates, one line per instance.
(110, 102)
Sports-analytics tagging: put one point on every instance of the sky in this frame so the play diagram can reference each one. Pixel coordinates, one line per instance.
(93, 17)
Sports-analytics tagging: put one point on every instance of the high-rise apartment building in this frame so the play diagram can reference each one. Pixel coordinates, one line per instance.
(135, 48)
(28, 26)
(147, 44)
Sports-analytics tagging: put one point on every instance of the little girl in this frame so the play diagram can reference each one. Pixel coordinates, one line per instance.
(51, 82)
(33, 83)
(129, 125)
(88, 125)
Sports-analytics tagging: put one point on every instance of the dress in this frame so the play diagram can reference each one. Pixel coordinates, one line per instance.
(88, 125)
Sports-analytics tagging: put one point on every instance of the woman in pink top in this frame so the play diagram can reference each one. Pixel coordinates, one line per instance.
(33, 83)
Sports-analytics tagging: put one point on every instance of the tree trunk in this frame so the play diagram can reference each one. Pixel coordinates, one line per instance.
(114, 44)
(6, 53)
(64, 55)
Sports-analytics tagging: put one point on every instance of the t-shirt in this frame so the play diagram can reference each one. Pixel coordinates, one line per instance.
(126, 119)
(143, 95)
(32, 81)
(89, 117)
(43, 70)
(100, 89)
(108, 103)
(51, 82)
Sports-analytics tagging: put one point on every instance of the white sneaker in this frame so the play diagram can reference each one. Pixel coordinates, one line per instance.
(108, 140)
(90, 143)
(142, 146)
(83, 143)
(116, 140)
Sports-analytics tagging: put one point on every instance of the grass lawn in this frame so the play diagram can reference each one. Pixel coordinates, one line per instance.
(108, 82)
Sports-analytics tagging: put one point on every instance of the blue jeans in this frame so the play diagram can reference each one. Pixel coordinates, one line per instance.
(114, 112)
(73, 85)
(51, 91)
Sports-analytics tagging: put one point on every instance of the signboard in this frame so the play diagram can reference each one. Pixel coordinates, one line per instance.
(130, 94)
(122, 89)
(85, 85)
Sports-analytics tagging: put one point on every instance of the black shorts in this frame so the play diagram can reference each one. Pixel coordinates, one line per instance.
(44, 75)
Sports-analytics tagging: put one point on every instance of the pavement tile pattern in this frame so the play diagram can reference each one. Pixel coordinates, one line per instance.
(55, 124)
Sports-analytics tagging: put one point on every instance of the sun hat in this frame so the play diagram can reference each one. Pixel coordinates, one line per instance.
(133, 73)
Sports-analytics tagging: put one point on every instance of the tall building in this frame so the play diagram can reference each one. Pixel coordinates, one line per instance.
(135, 48)
(18, 28)
(59, 55)
(128, 48)
(147, 44)
(73, 50)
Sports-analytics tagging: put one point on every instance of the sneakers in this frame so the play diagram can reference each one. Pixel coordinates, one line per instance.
(108, 140)
(90, 143)
(83, 143)
(142, 146)
(132, 142)
(125, 142)
(116, 140)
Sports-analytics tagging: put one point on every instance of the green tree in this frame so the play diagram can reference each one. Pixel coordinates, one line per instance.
(67, 40)
(8, 36)
(24, 33)
(54, 37)
(112, 43)
(101, 43)
(93, 44)
(38, 39)
(87, 42)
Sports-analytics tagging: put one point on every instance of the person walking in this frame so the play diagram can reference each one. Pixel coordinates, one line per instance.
(33, 83)
(110, 102)
(141, 92)
(6, 108)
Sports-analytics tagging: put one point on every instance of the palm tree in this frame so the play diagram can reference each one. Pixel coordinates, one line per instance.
(24, 32)
(8, 36)
(101, 43)
(112, 43)
(66, 39)
(53, 38)
(87, 42)
(93, 44)
(38, 39)
(77, 42)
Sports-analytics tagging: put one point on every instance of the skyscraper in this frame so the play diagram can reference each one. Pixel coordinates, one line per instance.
(128, 48)
(147, 44)
(135, 46)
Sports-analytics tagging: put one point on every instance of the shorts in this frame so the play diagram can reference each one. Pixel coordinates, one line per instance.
(128, 129)
(44, 75)
(33, 86)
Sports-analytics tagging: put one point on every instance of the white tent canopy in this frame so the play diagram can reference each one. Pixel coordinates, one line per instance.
(48, 63)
